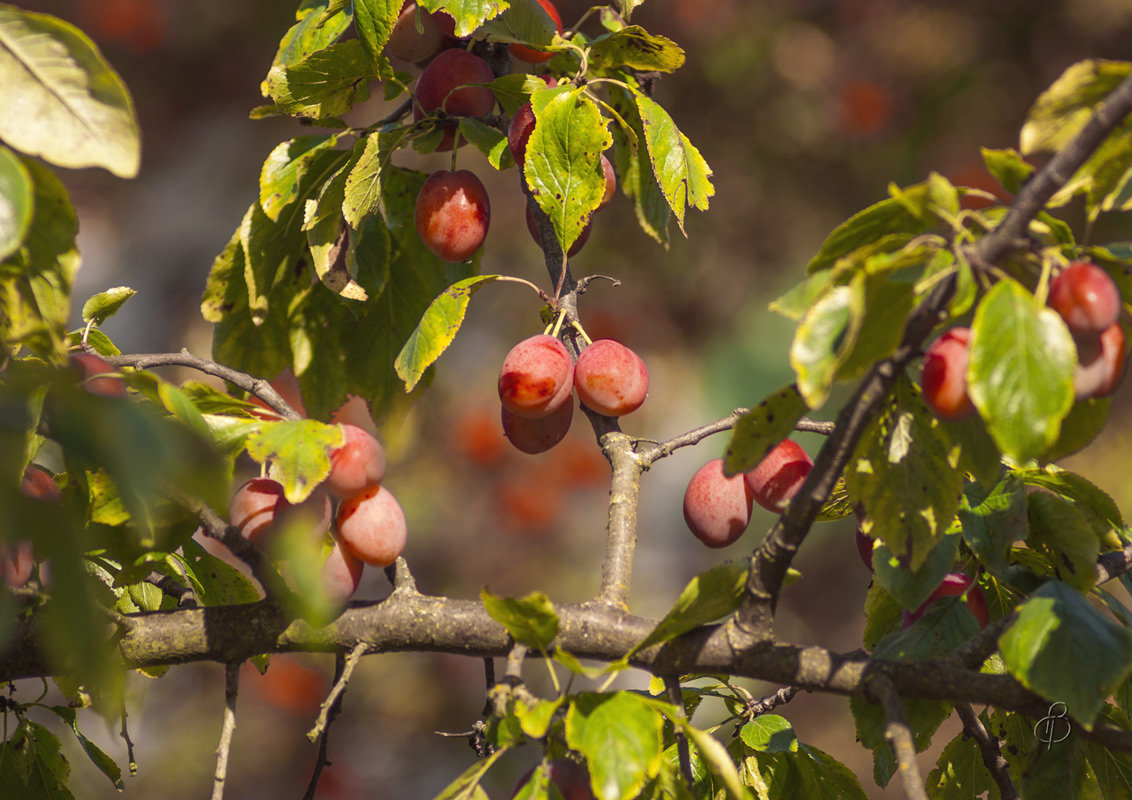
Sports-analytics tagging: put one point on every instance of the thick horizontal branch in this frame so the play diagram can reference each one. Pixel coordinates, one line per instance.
(407, 621)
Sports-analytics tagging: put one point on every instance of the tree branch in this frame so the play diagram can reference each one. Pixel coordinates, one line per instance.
(421, 623)
(990, 750)
(249, 383)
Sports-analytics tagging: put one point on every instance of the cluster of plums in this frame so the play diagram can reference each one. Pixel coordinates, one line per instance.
(452, 213)
(368, 527)
(539, 377)
(1087, 299)
(717, 507)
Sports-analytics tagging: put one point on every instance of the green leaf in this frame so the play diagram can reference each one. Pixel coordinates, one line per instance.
(822, 340)
(635, 48)
(959, 773)
(770, 733)
(33, 756)
(469, 14)
(1066, 650)
(1113, 771)
(946, 625)
(314, 31)
(488, 140)
(933, 199)
(884, 308)
(634, 170)
(17, 200)
(761, 428)
(373, 20)
(530, 620)
(911, 588)
(863, 228)
(325, 84)
(707, 597)
(74, 109)
(35, 293)
(297, 453)
(105, 304)
(563, 162)
(787, 768)
(1008, 168)
(1064, 108)
(1020, 374)
(362, 192)
(535, 720)
(620, 736)
(221, 584)
(437, 328)
(329, 238)
(904, 474)
(681, 172)
(1060, 530)
(286, 169)
(105, 764)
(524, 21)
(1077, 488)
(992, 520)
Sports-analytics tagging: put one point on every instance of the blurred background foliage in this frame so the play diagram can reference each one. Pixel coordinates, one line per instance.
(805, 110)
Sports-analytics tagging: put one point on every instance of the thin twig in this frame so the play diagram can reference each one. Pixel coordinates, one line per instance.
(249, 383)
(676, 698)
(899, 735)
(651, 452)
(231, 691)
(334, 698)
(124, 732)
(767, 704)
(990, 749)
(321, 760)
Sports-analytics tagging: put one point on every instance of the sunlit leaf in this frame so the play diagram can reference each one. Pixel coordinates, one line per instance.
(74, 110)
(297, 453)
(530, 620)
(437, 328)
(681, 172)
(620, 736)
(17, 200)
(1020, 374)
(707, 597)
